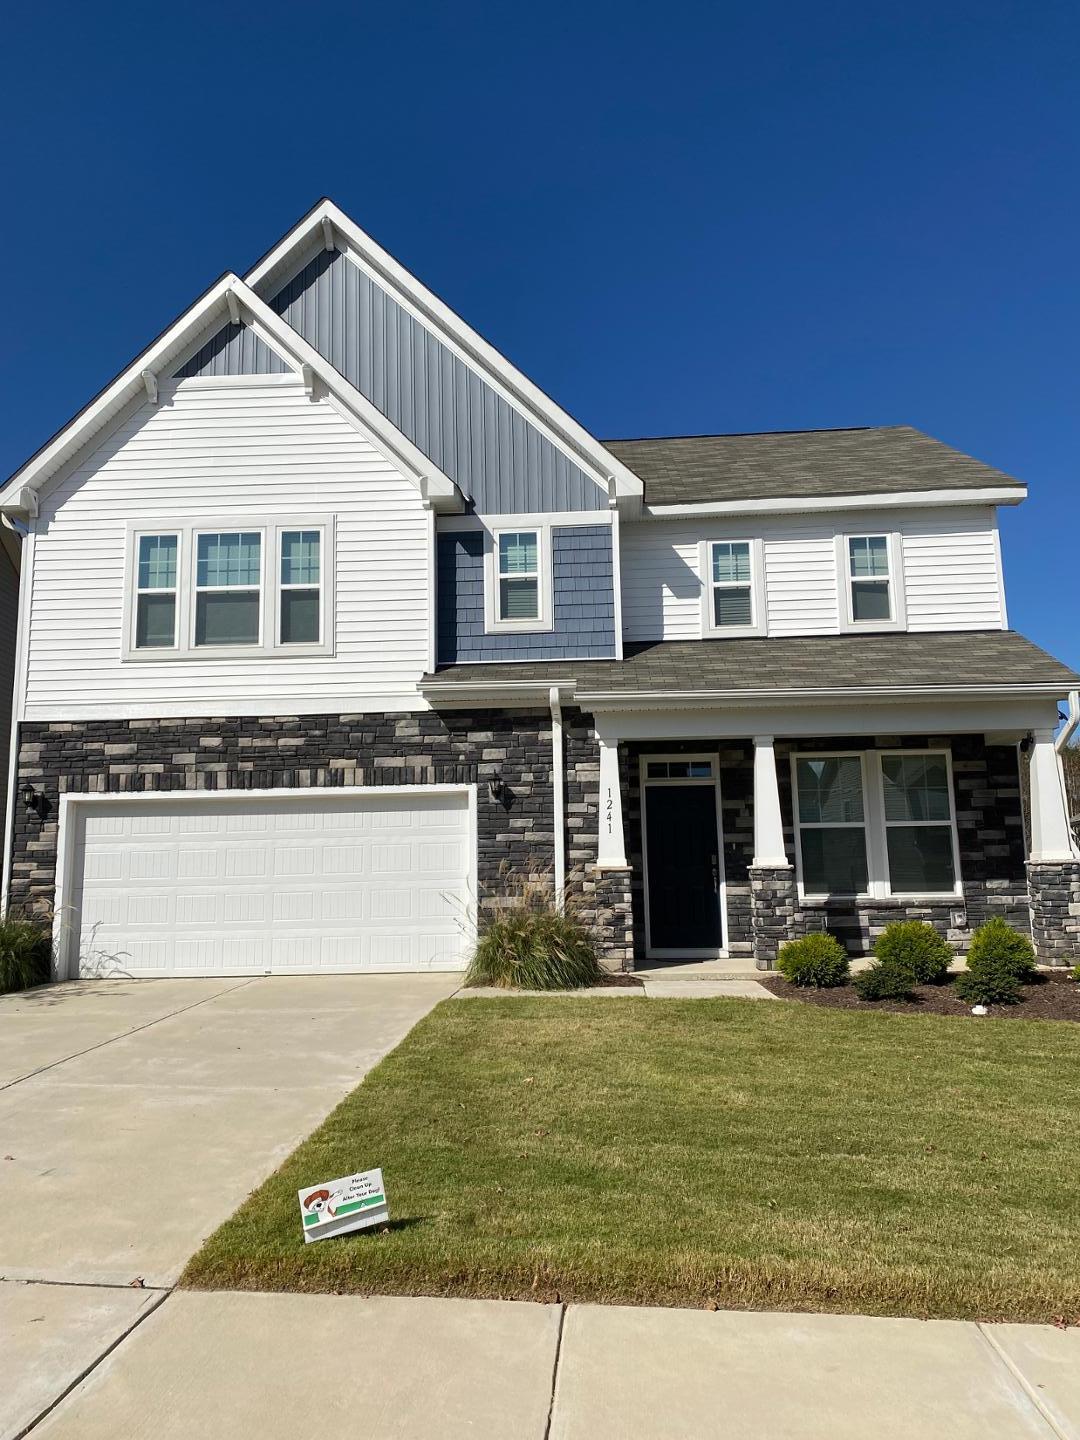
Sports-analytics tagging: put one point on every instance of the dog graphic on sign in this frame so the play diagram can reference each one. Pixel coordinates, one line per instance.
(320, 1203)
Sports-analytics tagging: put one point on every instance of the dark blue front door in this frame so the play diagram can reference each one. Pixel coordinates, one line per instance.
(683, 863)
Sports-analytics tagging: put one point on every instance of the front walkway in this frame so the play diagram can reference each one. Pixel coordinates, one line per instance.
(278, 1366)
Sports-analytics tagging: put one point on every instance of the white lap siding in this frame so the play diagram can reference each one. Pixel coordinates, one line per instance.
(952, 577)
(248, 451)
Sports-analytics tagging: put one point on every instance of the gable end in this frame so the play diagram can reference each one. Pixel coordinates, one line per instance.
(499, 460)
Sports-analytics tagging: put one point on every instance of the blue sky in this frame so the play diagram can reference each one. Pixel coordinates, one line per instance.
(674, 218)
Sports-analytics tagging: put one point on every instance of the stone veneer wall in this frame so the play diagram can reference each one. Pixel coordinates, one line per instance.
(1055, 911)
(515, 837)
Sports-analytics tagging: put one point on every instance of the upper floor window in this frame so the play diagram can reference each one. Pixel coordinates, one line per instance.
(732, 602)
(259, 589)
(868, 574)
(228, 588)
(875, 822)
(155, 592)
(519, 580)
(519, 575)
(301, 591)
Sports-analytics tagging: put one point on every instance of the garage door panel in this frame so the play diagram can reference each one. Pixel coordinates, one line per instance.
(248, 884)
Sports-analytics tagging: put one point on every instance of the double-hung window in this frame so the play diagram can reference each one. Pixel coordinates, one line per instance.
(300, 598)
(156, 563)
(919, 832)
(832, 824)
(731, 604)
(257, 589)
(878, 823)
(228, 587)
(518, 582)
(871, 582)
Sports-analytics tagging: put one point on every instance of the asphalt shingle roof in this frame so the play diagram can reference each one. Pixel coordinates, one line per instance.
(684, 469)
(819, 662)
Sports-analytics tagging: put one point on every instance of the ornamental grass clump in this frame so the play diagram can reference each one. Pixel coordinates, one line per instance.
(25, 954)
(915, 946)
(818, 961)
(530, 943)
(1000, 960)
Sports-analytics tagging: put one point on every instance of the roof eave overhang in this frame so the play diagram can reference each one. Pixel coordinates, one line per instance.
(853, 695)
(328, 222)
(796, 504)
(471, 692)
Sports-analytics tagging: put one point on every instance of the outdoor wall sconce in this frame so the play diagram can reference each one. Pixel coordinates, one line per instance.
(33, 800)
(497, 789)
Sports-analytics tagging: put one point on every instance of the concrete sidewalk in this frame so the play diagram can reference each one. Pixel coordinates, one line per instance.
(287, 1365)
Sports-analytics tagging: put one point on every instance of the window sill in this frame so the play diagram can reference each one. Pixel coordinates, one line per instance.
(823, 902)
(227, 652)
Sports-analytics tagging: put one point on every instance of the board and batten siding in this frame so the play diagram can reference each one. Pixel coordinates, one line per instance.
(235, 452)
(498, 458)
(952, 577)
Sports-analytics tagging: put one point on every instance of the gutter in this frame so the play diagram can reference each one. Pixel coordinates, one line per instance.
(558, 785)
(1068, 730)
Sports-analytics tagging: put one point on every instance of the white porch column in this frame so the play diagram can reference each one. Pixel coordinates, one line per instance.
(1051, 838)
(768, 824)
(611, 852)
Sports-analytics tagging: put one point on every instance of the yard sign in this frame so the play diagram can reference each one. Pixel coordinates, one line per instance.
(352, 1203)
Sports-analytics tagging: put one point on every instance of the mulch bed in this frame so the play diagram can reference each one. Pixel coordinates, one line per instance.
(1051, 997)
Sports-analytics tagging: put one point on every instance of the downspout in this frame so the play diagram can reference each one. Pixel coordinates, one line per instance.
(1068, 730)
(558, 785)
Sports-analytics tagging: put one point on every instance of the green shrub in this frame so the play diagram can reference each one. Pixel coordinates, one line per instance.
(1000, 942)
(1075, 973)
(886, 980)
(991, 980)
(918, 948)
(529, 944)
(817, 960)
(25, 954)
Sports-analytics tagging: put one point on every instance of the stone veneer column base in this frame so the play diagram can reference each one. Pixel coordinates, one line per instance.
(606, 910)
(774, 902)
(1054, 896)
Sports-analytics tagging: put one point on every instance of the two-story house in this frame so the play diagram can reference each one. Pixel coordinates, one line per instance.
(334, 626)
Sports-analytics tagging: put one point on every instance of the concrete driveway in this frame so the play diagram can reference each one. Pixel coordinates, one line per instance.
(136, 1115)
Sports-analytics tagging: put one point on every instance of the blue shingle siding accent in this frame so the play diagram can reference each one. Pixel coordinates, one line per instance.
(498, 460)
(583, 600)
(234, 350)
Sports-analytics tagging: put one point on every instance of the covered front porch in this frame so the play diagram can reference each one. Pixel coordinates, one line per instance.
(727, 830)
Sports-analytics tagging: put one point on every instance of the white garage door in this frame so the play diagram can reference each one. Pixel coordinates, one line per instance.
(246, 885)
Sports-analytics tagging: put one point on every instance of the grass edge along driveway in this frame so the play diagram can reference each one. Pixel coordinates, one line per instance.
(695, 1152)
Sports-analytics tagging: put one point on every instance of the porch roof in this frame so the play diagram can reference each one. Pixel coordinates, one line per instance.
(945, 662)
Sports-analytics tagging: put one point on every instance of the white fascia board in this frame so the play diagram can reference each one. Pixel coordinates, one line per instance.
(415, 296)
(433, 484)
(796, 504)
(696, 699)
(127, 386)
(445, 694)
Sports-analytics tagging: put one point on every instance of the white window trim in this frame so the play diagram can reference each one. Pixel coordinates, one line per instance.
(897, 602)
(758, 615)
(545, 618)
(265, 535)
(269, 644)
(874, 824)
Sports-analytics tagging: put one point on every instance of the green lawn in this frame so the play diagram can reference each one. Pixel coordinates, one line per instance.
(766, 1155)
